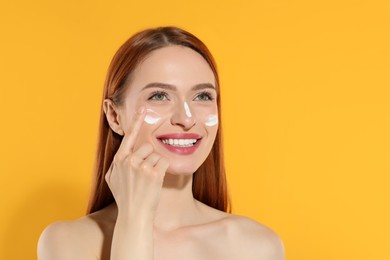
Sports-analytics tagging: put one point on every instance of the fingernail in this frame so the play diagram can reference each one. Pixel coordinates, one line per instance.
(141, 110)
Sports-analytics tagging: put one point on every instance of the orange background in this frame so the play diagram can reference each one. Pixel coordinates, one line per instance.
(305, 102)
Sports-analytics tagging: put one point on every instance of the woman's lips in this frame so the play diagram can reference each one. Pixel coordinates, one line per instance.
(180, 143)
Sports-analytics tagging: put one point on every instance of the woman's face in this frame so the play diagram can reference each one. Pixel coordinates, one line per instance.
(177, 87)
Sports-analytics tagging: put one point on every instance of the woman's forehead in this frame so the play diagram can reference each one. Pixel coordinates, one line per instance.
(173, 65)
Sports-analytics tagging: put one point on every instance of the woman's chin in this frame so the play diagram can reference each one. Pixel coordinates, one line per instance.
(181, 169)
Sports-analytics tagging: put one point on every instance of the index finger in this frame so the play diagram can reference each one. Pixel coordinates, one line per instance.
(128, 140)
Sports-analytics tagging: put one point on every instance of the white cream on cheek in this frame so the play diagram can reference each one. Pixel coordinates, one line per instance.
(151, 117)
(212, 120)
(187, 109)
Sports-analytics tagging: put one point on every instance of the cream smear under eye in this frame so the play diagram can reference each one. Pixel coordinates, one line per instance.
(151, 117)
(212, 120)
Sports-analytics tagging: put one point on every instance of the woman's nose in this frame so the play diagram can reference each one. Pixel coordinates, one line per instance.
(183, 116)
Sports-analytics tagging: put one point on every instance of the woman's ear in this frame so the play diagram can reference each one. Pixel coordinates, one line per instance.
(112, 116)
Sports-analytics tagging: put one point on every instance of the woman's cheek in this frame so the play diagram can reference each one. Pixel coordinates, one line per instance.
(211, 120)
(209, 117)
(152, 117)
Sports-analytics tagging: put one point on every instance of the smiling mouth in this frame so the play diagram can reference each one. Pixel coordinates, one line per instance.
(180, 142)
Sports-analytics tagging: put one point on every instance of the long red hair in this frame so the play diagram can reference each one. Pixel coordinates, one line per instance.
(209, 181)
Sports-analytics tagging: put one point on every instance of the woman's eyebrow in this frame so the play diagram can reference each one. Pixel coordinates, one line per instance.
(174, 88)
(202, 86)
(159, 85)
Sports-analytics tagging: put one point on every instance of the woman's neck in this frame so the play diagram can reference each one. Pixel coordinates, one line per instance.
(177, 206)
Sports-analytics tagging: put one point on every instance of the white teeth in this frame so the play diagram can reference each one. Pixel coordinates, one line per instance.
(179, 142)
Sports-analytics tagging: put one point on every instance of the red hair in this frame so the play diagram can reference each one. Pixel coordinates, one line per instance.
(209, 181)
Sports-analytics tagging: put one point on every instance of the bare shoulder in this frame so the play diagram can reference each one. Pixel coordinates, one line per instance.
(240, 237)
(256, 240)
(76, 239)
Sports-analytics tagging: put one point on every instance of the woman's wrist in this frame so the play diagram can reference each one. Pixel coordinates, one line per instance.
(135, 218)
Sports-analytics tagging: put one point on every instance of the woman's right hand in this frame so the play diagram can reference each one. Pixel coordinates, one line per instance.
(135, 177)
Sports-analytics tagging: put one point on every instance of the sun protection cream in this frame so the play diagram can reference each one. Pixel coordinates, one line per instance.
(151, 117)
(212, 120)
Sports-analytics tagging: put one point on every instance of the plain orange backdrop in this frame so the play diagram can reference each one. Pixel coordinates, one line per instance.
(305, 104)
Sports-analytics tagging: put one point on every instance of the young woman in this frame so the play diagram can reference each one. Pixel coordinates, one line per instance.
(160, 189)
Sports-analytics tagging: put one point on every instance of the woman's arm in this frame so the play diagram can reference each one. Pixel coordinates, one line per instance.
(135, 179)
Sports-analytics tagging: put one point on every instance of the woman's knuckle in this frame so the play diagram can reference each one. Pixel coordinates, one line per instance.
(156, 156)
(145, 166)
(133, 160)
(117, 158)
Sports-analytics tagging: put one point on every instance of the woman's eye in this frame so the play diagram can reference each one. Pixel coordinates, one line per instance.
(204, 97)
(159, 96)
